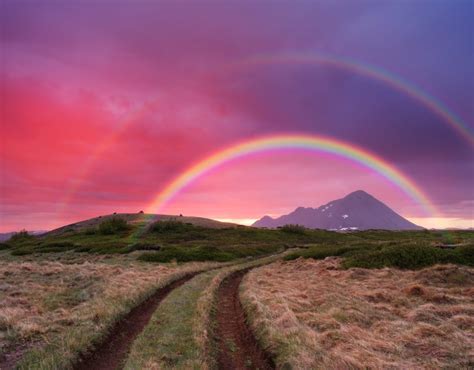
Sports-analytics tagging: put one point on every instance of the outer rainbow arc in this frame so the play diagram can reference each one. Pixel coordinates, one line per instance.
(357, 67)
(129, 119)
(292, 141)
(375, 73)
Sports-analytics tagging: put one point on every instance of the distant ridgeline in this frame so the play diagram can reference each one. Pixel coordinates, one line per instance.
(356, 211)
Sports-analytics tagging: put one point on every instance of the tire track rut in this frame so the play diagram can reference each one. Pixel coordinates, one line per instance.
(237, 346)
(112, 352)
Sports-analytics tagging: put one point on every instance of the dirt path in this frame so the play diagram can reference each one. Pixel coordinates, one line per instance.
(112, 353)
(238, 348)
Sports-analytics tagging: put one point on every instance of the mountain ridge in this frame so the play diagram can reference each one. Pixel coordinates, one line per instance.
(356, 211)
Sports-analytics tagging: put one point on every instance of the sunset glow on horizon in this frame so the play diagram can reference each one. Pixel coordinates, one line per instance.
(232, 112)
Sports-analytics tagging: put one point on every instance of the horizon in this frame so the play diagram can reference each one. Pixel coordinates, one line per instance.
(229, 112)
(250, 222)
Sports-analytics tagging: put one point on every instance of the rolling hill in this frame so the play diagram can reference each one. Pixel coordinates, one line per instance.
(140, 218)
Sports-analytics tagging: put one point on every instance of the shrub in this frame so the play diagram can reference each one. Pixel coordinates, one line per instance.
(59, 246)
(404, 256)
(83, 249)
(293, 229)
(169, 226)
(110, 247)
(113, 225)
(90, 231)
(144, 247)
(409, 257)
(20, 236)
(22, 251)
(465, 254)
(4, 246)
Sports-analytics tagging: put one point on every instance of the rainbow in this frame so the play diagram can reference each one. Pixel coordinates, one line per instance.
(373, 72)
(291, 141)
(129, 119)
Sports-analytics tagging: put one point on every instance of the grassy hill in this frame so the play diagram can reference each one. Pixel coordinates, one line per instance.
(164, 238)
(138, 219)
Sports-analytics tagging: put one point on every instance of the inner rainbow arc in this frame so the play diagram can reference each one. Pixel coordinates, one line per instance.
(293, 141)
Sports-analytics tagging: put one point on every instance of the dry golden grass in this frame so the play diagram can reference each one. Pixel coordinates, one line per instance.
(43, 302)
(313, 314)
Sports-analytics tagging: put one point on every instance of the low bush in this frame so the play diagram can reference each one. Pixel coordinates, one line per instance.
(59, 246)
(4, 246)
(83, 248)
(111, 248)
(113, 225)
(20, 236)
(144, 247)
(90, 231)
(410, 257)
(22, 251)
(404, 256)
(293, 229)
(169, 226)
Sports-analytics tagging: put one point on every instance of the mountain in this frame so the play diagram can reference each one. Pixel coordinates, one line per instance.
(356, 211)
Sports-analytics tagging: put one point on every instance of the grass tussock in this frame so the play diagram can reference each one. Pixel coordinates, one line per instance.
(50, 311)
(315, 314)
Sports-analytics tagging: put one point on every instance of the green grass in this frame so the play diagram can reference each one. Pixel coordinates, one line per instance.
(112, 226)
(205, 253)
(21, 236)
(293, 229)
(168, 341)
(165, 241)
(411, 255)
(61, 351)
(180, 334)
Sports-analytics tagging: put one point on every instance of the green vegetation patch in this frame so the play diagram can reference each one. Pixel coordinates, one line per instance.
(168, 341)
(205, 253)
(21, 236)
(390, 254)
(410, 257)
(112, 226)
(293, 229)
(173, 239)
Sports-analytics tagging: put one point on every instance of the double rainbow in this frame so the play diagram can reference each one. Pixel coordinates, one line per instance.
(298, 142)
(370, 71)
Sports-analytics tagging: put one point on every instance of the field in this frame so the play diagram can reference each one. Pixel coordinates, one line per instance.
(135, 291)
(50, 310)
(316, 314)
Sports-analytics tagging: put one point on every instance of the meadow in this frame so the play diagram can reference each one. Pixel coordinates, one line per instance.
(317, 314)
(185, 239)
(373, 298)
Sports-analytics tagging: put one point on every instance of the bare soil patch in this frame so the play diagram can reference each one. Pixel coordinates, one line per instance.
(238, 348)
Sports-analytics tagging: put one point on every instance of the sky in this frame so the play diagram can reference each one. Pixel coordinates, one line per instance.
(104, 103)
